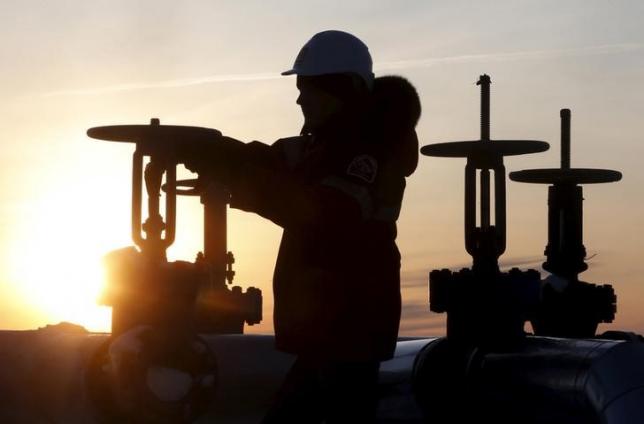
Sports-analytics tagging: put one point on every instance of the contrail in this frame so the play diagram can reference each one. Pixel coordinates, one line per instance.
(510, 56)
(379, 66)
(176, 83)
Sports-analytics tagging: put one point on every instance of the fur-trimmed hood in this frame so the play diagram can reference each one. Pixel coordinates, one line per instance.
(395, 111)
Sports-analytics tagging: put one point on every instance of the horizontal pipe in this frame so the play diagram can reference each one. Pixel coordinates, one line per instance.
(542, 380)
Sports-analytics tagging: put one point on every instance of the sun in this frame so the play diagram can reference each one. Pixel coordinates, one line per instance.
(56, 256)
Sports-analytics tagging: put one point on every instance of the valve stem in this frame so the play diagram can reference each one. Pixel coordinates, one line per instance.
(485, 81)
(565, 138)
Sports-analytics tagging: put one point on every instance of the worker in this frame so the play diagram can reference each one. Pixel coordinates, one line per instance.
(336, 190)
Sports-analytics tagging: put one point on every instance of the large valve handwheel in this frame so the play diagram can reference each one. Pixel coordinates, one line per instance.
(463, 149)
(157, 142)
(566, 176)
(152, 132)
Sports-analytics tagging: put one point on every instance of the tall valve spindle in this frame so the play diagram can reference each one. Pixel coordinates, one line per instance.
(484, 81)
(565, 138)
(577, 309)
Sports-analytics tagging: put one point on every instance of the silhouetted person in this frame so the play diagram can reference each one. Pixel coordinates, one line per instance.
(336, 190)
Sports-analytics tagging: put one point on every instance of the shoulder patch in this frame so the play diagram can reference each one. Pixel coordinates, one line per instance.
(363, 167)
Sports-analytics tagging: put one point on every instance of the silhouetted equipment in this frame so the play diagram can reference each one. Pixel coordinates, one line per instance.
(484, 304)
(143, 376)
(486, 242)
(488, 369)
(143, 287)
(219, 310)
(155, 367)
(576, 309)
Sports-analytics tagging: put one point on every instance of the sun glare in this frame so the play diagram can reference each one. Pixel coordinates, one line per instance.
(57, 253)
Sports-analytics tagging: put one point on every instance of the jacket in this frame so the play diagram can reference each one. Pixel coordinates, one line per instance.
(337, 197)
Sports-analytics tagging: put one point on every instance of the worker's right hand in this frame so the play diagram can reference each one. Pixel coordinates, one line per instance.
(174, 149)
(196, 155)
(217, 159)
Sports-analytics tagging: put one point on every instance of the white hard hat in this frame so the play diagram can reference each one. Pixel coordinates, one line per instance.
(334, 52)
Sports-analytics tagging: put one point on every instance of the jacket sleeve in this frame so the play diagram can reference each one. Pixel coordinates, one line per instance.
(267, 185)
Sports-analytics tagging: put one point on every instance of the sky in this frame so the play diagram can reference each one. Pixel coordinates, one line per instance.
(72, 65)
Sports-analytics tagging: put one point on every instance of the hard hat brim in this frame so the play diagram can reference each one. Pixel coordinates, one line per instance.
(303, 72)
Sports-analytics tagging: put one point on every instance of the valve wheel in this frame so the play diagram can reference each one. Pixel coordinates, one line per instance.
(462, 149)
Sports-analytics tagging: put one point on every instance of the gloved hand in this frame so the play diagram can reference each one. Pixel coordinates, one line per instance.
(217, 159)
(171, 145)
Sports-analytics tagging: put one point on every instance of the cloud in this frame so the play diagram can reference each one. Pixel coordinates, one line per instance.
(378, 66)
